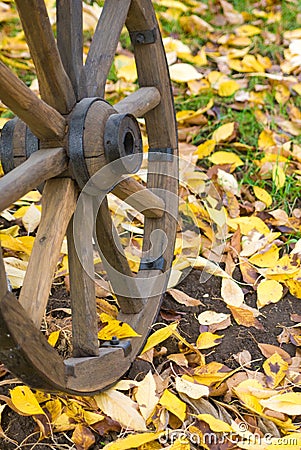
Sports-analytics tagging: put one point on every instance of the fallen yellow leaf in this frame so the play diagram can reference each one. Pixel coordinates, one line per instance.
(173, 404)
(224, 133)
(248, 224)
(115, 328)
(268, 291)
(278, 176)
(25, 401)
(216, 425)
(266, 258)
(275, 369)
(205, 149)
(262, 195)
(159, 336)
(223, 157)
(208, 340)
(228, 88)
(132, 441)
(289, 403)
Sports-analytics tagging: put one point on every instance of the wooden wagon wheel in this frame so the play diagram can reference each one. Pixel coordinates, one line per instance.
(66, 137)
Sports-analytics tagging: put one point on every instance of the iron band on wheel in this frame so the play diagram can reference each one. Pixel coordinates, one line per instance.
(6, 145)
(76, 144)
(32, 143)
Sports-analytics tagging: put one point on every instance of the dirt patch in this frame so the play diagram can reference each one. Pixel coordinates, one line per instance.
(24, 431)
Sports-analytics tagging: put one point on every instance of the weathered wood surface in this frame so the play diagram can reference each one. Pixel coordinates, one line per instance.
(58, 204)
(55, 86)
(3, 281)
(44, 121)
(115, 262)
(103, 46)
(140, 198)
(140, 102)
(90, 375)
(160, 125)
(25, 350)
(69, 26)
(82, 283)
(40, 166)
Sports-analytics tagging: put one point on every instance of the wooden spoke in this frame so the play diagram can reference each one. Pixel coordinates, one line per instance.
(140, 102)
(69, 27)
(40, 166)
(58, 205)
(26, 351)
(55, 86)
(44, 121)
(115, 262)
(103, 46)
(160, 122)
(140, 198)
(3, 281)
(82, 282)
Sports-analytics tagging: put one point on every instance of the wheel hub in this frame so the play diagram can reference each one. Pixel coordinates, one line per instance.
(97, 136)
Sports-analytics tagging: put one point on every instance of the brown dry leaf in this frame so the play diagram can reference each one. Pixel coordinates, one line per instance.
(269, 350)
(232, 16)
(183, 298)
(245, 316)
(82, 437)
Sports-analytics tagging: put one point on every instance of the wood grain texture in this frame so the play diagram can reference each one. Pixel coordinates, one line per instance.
(25, 351)
(55, 86)
(69, 26)
(58, 204)
(115, 262)
(40, 166)
(44, 121)
(82, 283)
(160, 124)
(140, 198)
(3, 281)
(140, 102)
(88, 376)
(104, 43)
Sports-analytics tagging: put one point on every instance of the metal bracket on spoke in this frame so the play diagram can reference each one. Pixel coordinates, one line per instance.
(160, 154)
(152, 264)
(116, 343)
(143, 37)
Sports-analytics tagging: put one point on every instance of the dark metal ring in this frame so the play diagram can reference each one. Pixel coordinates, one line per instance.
(76, 140)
